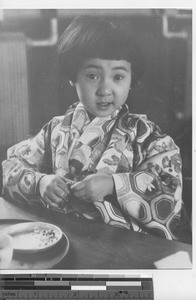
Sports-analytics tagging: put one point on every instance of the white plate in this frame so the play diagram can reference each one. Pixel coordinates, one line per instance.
(34, 236)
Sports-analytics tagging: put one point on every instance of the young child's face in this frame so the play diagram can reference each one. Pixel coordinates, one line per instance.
(103, 85)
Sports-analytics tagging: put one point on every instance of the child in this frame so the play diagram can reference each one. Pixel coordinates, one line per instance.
(99, 160)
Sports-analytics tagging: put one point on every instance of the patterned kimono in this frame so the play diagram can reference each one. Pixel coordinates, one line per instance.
(145, 165)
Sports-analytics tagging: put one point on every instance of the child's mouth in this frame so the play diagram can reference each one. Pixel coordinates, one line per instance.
(103, 105)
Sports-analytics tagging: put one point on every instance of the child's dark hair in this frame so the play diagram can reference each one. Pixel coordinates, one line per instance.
(96, 37)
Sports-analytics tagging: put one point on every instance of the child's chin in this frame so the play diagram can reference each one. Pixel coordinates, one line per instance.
(103, 113)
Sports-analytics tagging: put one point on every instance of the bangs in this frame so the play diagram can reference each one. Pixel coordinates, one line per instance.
(94, 37)
(106, 41)
(109, 47)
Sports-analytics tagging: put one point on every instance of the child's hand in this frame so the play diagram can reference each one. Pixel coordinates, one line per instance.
(93, 187)
(53, 190)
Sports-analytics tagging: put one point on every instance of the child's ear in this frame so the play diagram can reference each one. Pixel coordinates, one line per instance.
(71, 83)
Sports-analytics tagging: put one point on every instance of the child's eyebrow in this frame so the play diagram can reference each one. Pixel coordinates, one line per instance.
(121, 68)
(92, 66)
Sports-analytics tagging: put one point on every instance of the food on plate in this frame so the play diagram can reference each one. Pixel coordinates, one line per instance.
(38, 238)
(33, 236)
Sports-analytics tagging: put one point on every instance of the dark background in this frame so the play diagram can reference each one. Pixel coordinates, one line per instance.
(164, 93)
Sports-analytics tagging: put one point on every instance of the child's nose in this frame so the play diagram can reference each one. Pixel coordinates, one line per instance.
(104, 89)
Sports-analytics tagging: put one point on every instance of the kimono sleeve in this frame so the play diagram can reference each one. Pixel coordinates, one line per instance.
(151, 195)
(27, 162)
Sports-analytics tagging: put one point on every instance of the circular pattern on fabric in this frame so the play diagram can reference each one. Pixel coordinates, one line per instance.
(145, 213)
(162, 208)
(173, 225)
(159, 230)
(145, 185)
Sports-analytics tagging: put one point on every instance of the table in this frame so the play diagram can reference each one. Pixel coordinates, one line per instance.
(95, 245)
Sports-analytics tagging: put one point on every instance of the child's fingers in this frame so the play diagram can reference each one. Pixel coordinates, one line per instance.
(61, 193)
(78, 186)
(80, 194)
(63, 185)
(67, 180)
(52, 201)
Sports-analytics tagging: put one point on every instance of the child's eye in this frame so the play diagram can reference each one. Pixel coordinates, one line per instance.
(118, 77)
(92, 76)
